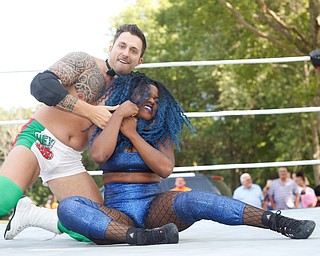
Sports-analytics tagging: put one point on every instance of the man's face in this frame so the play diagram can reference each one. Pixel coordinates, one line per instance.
(125, 54)
(247, 182)
(283, 173)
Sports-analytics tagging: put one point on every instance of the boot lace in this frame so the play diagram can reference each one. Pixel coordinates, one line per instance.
(284, 225)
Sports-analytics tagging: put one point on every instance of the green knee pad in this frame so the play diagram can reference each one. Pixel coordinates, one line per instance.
(10, 193)
(74, 235)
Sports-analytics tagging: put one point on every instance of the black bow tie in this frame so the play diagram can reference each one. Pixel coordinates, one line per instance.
(110, 71)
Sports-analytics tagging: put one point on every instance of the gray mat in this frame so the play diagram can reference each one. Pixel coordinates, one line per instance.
(203, 238)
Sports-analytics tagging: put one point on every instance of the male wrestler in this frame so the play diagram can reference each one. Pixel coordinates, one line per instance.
(51, 143)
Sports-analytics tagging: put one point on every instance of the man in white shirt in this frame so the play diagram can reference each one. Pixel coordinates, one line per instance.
(248, 192)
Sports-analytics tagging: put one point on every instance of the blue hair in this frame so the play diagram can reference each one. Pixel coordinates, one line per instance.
(168, 122)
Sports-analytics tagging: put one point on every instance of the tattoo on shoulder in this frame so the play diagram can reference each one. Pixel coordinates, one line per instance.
(69, 68)
(90, 85)
(80, 70)
(68, 103)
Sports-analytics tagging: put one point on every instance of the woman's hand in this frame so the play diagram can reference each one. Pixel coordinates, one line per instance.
(129, 126)
(104, 144)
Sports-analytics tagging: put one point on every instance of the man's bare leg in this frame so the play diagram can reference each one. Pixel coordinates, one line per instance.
(80, 184)
(19, 171)
(27, 214)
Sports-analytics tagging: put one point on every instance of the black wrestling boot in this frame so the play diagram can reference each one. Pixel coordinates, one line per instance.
(167, 234)
(295, 229)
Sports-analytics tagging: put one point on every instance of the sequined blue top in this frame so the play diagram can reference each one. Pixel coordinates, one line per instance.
(125, 162)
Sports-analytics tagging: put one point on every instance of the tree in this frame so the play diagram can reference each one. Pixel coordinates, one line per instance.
(204, 30)
(292, 26)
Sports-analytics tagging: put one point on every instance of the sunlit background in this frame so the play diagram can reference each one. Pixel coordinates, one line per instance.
(36, 33)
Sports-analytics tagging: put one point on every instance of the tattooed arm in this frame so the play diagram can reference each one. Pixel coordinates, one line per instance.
(79, 70)
(80, 75)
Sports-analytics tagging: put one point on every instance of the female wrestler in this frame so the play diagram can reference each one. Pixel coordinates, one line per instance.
(135, 159)
(158, 120)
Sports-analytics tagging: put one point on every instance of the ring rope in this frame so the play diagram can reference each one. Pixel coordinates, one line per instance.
(222, 113)
(199, 63)
(223, 62)
(254, 112)
(219, 167)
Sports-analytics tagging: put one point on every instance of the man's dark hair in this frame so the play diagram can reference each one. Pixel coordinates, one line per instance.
(134, 30)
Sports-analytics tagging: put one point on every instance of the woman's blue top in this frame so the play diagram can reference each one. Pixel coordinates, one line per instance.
(125, 162)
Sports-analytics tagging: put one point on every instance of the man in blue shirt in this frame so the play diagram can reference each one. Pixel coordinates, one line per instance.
(248, 192)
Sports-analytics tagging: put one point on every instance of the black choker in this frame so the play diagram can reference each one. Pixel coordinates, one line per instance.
(110, 71)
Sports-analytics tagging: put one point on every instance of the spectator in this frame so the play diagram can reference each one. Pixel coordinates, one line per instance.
(248, 192)
(284, 192)
(307, 194)
(306, 181)
(180, 185)
(265, 192)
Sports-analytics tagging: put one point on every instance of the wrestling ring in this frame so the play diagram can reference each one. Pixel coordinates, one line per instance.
(204, 237)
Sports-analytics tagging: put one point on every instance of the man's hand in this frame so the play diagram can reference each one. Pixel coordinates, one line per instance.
(127, 109)
(100, 115)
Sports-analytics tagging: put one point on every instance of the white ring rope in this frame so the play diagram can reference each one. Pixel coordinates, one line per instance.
(223, 62)
(200, 63)
(222, 113)
(218, 167)
(243, 166)
(12, 122)
(253, 112)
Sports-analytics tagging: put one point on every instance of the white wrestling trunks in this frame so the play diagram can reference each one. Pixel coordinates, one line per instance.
(55, 159)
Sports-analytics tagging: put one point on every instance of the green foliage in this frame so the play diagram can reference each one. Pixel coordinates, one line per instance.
(38, 193)
(90, 165)
(206, 30)
(8, 132)
(185, 30)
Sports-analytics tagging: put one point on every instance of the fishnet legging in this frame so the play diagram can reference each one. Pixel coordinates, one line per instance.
(161, 212)
(252, 216)
(117, 228)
